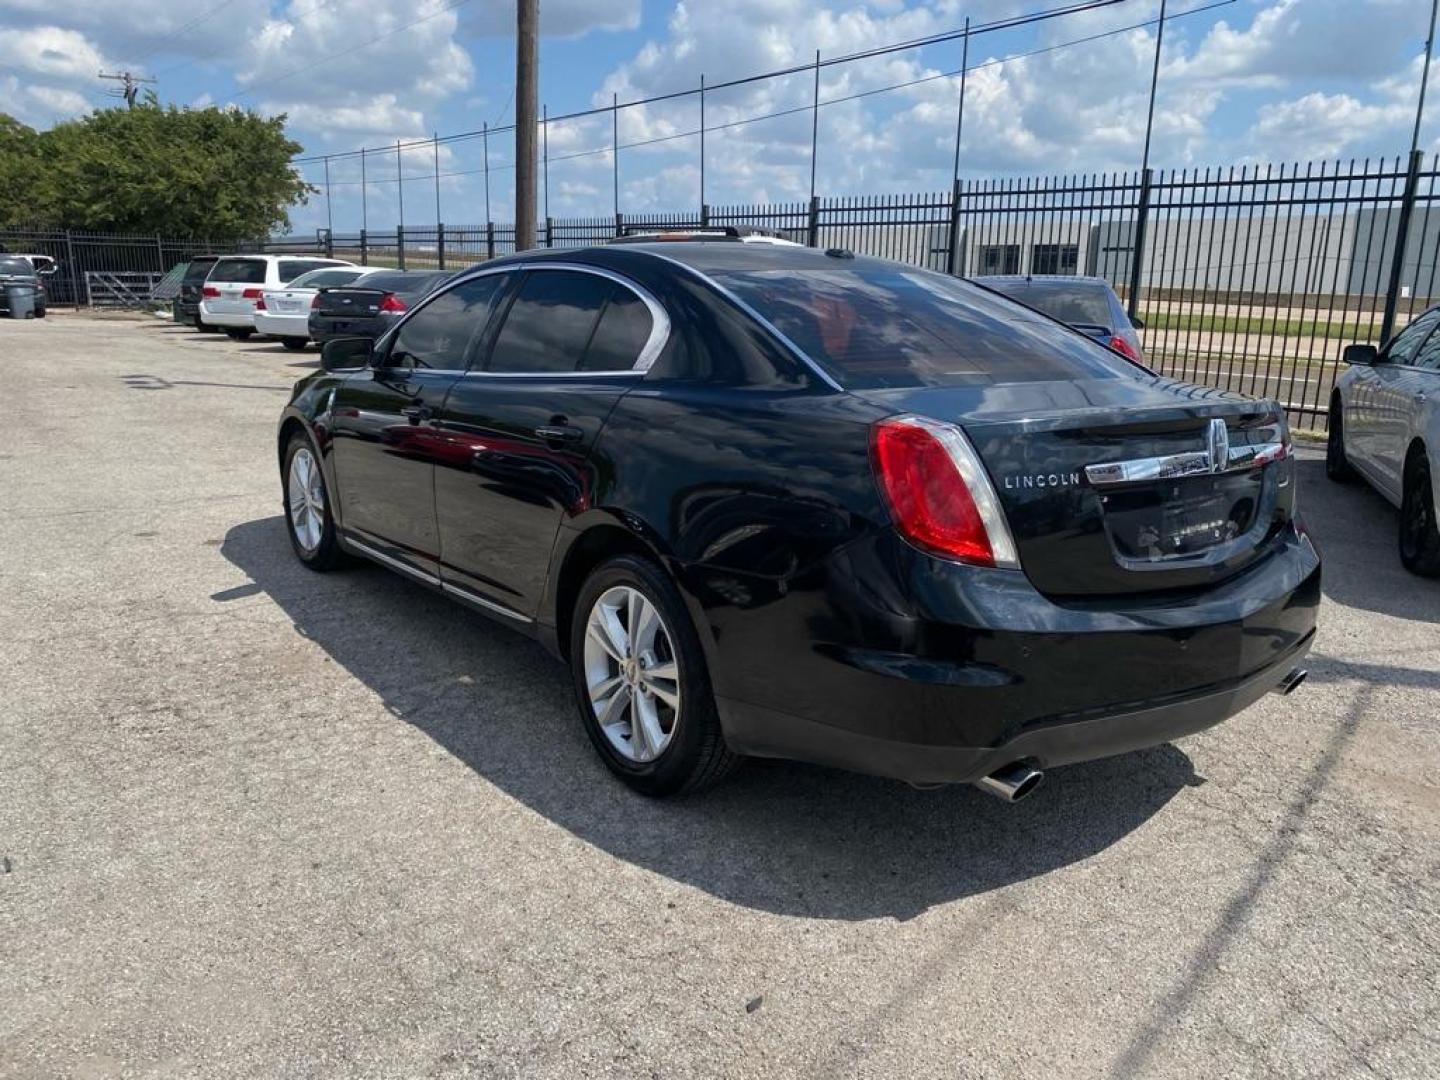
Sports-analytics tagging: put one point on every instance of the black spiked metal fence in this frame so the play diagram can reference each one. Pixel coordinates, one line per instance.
(1250, 277)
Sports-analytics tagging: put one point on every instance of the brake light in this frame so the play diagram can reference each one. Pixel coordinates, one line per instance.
(392, 303)
(260, 304)
(938, 492)
(315, 303)
(251, 294)
(210, 292)
(1125, 349)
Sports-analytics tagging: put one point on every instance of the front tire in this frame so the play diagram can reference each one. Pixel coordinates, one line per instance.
(1337, 464)
(641, 685)
(309, 517)
(1419, 532)
(295, 344)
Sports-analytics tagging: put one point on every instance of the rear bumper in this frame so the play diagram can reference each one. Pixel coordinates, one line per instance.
(227, 318)
(984, 671)
(323, 328)
(282, 325)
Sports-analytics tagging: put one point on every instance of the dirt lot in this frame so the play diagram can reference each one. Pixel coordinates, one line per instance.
(256, 822)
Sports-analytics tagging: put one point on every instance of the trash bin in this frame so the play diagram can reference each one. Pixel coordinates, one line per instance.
(20, 299)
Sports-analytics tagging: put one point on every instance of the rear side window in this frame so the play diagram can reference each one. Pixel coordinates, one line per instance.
(438, 336)
(1076, 303)
(242, 271)
(879, 325)
(550, 323)
(622, 332)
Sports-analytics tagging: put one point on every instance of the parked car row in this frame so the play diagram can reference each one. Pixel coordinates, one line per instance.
(295, 298)
(22, 289)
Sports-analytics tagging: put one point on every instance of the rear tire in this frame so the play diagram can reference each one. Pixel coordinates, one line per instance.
(309, 515)
(295, 344)
(1419, 532)
(238, 333)
(1337, 464)
(692, 752)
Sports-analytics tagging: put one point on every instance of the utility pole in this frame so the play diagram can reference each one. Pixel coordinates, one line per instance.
(129, 85)
(436, 136)
(1154, 81)
(527, 103)
(815, 125)
(1424, 77)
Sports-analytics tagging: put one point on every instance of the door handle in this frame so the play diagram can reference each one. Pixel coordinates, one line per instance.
(417, 413)
(561, 433)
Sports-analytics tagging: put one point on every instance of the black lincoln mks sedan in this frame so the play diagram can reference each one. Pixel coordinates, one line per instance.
(770, 500)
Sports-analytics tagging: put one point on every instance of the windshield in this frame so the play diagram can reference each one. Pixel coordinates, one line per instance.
(319, 279)
(881, 324)
(12, 267)
(196, 271)
(1075, 302)
(243, 271)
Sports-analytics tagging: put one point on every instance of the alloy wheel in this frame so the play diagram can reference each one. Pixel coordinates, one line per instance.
(631, 674)
(306, 491)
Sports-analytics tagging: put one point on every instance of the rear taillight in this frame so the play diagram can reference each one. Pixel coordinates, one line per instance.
(1125, 349)
(260, 304)
(251, 294)
(392, 303)
(210, 292)
(939, 495)
(315, 303)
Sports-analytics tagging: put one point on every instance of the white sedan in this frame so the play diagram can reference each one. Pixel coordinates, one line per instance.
(1385, 427)
(285, 312)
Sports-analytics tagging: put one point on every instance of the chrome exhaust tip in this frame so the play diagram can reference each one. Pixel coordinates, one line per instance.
(1012, 782)
(1290, 683)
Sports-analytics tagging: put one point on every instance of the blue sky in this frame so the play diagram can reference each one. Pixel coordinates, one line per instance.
(1249, 81)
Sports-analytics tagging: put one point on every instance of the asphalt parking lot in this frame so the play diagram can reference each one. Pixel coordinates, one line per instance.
(257, 822)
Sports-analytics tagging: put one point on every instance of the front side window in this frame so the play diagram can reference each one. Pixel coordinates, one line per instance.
(239, 271)
(1407, 343)
(881, 325)
(197, 271)
(549, 326)
(439, 335)
(1427, 357)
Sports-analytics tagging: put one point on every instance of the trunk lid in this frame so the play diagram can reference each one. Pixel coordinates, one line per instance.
(289, 301)
(1122, 486)
(349, 302)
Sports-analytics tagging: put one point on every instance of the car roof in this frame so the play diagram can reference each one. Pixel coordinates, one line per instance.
(277, 258)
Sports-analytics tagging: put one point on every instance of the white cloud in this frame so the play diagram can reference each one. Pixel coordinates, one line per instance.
(50, 51)
(1324, 126)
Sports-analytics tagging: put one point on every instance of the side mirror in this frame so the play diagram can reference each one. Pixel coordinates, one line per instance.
(346, 354)
(1137, 322)
(1360, 354)
(46, 271)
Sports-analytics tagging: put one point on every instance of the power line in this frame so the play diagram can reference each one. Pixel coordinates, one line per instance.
(995, 26)
(794, 110)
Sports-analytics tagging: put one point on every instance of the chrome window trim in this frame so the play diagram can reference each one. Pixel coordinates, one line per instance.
(431, 579)
(649, 352)
(779, 335)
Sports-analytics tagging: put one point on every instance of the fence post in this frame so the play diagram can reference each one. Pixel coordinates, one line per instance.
(329, 244)
(159, 254)
(813, 233)
(400, 245)
(489, 239)
(549, 232)
(619, 224)
(704, 215)
(74, 270)
(364, 247)
(1137, 258)
(1397, 267)
(952, 253)
(440, 244)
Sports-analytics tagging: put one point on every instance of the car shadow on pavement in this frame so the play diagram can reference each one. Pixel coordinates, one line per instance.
(1357, 532)
(776, 836)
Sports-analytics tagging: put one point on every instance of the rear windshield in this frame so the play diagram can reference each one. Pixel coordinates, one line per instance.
(288, 270)
(245, 271)
(1079, 303)
(11, 266)
(196, 271)
(879, 325)
(320, 279)
(398, 281)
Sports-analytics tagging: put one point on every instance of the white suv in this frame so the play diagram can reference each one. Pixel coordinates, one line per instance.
(236, 282)
(1385, 426)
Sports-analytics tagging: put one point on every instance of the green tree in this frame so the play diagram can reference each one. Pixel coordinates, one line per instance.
(224, 174)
